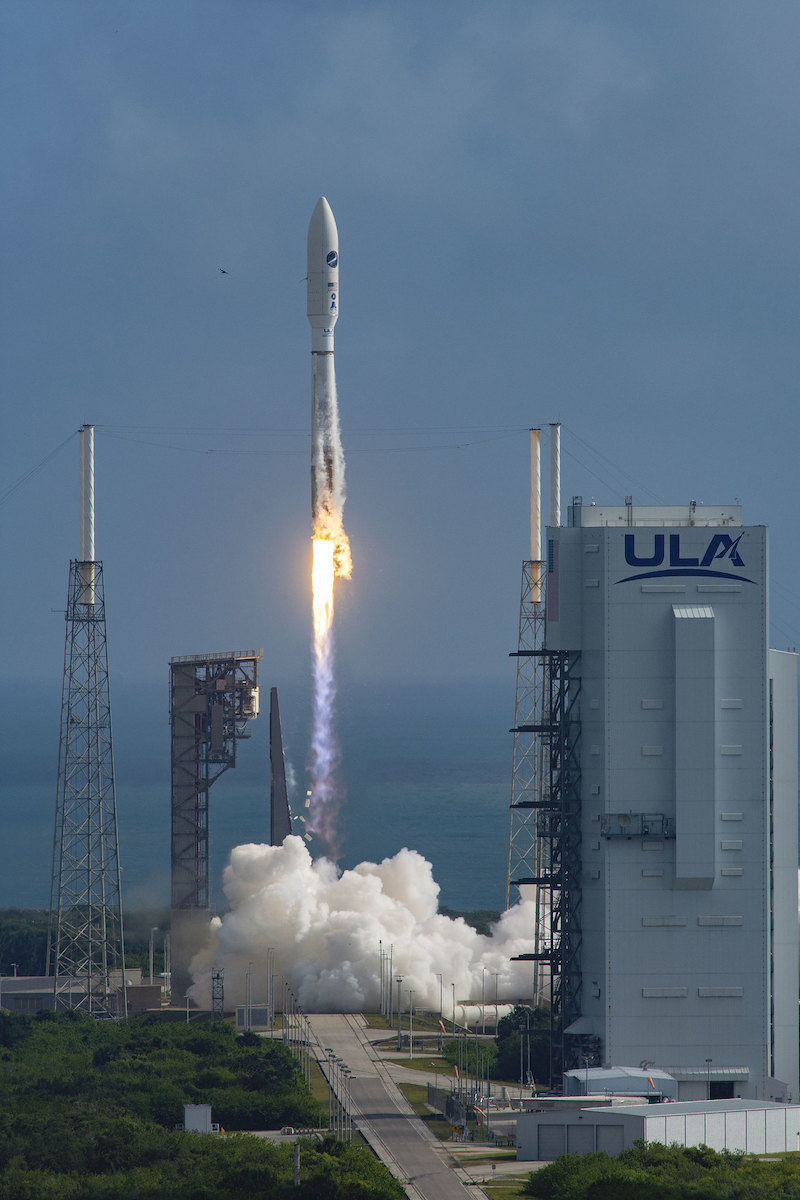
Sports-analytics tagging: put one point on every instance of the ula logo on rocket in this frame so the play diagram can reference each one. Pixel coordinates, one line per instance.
(722, 546)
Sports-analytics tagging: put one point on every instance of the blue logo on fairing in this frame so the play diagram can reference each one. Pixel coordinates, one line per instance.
(333, 259)
(722, 547)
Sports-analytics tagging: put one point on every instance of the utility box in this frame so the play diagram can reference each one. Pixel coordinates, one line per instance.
(197, 1119)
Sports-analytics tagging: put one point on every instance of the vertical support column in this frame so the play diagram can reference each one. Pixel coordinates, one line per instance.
(87, 514)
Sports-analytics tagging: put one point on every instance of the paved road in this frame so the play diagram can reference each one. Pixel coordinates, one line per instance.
(383, 1116)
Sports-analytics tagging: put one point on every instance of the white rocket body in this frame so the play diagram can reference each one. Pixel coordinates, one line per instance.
(327, 466)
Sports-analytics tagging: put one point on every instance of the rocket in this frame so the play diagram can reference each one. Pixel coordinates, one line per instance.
(327, 465)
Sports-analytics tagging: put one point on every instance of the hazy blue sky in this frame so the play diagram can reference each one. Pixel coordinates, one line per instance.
(583, 212)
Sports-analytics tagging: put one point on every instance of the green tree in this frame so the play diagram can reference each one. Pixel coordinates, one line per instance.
(523, 1039)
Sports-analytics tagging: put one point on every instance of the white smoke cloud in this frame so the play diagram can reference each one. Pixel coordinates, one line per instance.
(327, 927)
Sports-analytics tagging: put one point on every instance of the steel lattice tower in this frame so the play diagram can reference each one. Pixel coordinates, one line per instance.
(530, 763)
(85, 952)
(527, 851)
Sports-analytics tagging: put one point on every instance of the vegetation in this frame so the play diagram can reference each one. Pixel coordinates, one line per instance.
(23, 940)
(90, 1110)
(481, 919)
(523, 1037)
(655, 1172)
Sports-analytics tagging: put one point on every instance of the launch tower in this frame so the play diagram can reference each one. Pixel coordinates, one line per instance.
(212, 697)
(85, 951)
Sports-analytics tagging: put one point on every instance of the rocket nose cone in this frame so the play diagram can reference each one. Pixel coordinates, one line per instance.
(322, 226)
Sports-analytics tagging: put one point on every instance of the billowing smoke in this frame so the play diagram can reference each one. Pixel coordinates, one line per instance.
(327, 929)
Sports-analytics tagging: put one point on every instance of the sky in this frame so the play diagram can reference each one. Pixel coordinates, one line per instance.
(572, 212)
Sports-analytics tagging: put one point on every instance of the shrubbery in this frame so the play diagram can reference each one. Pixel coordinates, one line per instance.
(89, 1110)
(656, 1172)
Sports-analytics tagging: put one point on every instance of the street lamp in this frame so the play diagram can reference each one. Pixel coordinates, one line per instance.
(399, 1027)
(410, 1022)
(152, 931)
(329, 1054)
(453, 986)
(496, 1013)
(483, 1000)
(389, 980)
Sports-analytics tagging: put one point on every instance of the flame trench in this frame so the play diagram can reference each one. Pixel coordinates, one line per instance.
(330, 560)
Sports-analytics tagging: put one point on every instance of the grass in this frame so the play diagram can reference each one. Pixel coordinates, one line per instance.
(424, 1062)
(376, 1021)
(417, 1096)
(319, 1086)
(506, 1189)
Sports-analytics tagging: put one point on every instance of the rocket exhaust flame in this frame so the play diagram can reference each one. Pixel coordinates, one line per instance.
(330, 547)
(324, 750)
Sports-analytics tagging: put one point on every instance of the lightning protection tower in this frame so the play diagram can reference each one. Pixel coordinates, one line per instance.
(544, 831)
(212, 697)
(85, 951)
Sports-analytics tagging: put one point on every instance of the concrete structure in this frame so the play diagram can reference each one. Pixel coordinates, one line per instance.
(757, 1127)
(673, 756)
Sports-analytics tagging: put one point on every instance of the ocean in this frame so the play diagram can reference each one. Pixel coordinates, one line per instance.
(424, 766)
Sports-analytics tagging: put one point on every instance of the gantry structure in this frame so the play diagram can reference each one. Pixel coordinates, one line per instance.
(544, 836)
(212, 698)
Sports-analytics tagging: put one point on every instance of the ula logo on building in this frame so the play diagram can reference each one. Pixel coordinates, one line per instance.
(722, 549)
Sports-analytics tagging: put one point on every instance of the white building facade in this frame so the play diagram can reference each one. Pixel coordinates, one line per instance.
(685, 730)
(752, 1126)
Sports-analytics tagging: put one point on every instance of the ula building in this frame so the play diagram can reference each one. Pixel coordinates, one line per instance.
(670, 816)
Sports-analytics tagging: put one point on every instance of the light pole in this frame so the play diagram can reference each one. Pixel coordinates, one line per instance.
(496, 1014)
(152, 931)
(410, 1022)
(399, 1027)
(271, 988)
(329, 1054)
(439, 977)
(483, 1001)
(389, 980)
(453, 986)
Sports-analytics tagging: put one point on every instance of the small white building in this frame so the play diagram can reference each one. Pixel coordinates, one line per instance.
(754, 1126)
(197, 1119)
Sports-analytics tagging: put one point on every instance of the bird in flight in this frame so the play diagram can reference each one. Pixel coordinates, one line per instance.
(222, 271)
